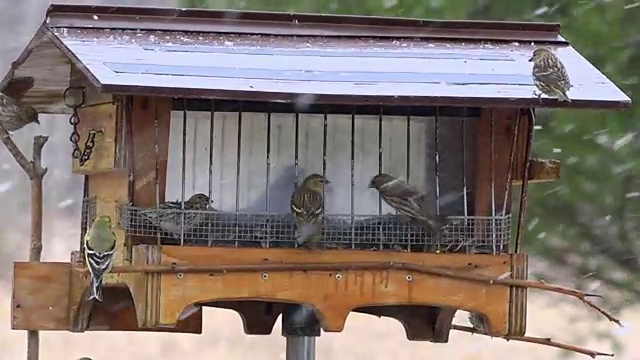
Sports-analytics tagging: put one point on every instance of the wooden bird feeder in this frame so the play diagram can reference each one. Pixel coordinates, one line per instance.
(240, 106)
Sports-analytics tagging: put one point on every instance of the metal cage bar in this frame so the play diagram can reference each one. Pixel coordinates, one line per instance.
(233, 226)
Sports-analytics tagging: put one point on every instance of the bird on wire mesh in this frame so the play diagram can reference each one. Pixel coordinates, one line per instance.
(478, 322)
(307, 207)
(99, 247)
(168, 215)
(549, 74)
(407, 201)
(14, 115)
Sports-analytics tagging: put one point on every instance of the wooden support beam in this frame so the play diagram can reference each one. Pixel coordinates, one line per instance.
(333, 301)
(500, 155)
(541, 170)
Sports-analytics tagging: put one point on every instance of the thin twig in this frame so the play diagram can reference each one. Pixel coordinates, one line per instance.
(459, 275)
(35, 171)
(537, 340)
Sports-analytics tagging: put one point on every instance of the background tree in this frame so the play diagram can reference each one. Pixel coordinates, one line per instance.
(587, 222)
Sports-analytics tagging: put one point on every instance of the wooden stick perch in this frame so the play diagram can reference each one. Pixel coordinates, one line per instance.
(379, 266)
(537, 340)
(36, 172)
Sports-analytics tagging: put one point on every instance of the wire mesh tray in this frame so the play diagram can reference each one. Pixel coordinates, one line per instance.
(392, 232)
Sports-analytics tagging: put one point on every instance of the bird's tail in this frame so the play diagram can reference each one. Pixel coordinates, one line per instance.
(562, 96)
(96, 288)
(308, 233)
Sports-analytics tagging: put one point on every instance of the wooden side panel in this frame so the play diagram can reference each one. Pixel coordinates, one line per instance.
(394, 150)
(282, 170)
(366, 163)
(336, 293)
(40, 299)
(338, 164)
(518, 297)
(102, 118)
(252, 184)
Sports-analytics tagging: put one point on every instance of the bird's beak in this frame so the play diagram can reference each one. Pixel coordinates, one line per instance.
(531, 59)
(37, 121)
(371, 185)
(327, 182)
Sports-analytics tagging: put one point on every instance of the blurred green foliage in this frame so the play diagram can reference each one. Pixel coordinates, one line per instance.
(587, 221)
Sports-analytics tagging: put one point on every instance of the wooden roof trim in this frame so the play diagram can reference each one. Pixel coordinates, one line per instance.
(294, 24)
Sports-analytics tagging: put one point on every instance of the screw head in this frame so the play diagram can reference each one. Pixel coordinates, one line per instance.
(180, 275)
(338, 277)
(265, 276)
(409, 277)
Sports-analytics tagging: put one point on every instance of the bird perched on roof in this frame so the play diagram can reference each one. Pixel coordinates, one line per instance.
(99, 247)
(478, 322)
(406, 200)
(307, 207)
(14, 115)
(168, 215)
(549, 74)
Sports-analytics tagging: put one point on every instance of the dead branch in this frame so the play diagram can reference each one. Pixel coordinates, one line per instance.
(537, 340)
(35, 171)
(380, 266)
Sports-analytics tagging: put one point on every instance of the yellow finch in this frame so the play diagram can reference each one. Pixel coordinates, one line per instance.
(549, 74)
(14, 114)
(307, 207)
(99, 246)
(406, 200)
(168, 215)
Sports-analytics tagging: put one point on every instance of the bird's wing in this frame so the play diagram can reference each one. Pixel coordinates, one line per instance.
(307, 205)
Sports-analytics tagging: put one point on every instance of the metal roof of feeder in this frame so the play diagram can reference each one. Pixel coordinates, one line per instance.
(281, 56)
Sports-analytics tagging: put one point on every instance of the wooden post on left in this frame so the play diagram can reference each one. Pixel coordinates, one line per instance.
(36, 172)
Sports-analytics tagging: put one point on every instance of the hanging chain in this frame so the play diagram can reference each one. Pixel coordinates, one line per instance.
(75, 103)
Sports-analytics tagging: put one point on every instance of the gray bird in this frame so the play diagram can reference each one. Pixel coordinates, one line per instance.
(307, 207)
(168, 215)
(14, 115)
(549, 74)
(478, 322)
(406, 200)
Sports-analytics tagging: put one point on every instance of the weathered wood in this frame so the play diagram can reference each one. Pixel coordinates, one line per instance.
(394, 150)
(366, 163)
(252, 184)
(45, 298)
(102, 118)
(492, 161)
(150, 124)
(282, 172)
(40, 296)
(336, 293)
(338, 165)
(541, 170)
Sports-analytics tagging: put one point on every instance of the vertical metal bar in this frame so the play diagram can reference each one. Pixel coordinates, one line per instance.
(525, 180)
(512, 156)
(194, 152)
(295, 151)
(238, 164)
(301, 348)
(268, 160)
(353, 170)
(86, 204)
(184, 167)
(464, 181)
(156, 169)
(437, 166)
(380, 150)
(324, 161)
(493, 187)
(408, 169)
(211, 124)
(127, 118)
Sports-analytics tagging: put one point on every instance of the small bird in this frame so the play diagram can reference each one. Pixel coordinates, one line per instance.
(478, 322)
(406, 200)
(168, 215)
(307, 207)
(99, 247)
(14, 115)
(549, 74)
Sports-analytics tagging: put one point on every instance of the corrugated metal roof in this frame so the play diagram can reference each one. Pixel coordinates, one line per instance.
(334, 59)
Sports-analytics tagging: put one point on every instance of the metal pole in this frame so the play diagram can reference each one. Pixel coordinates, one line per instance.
(301, 327)
(301, 348)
